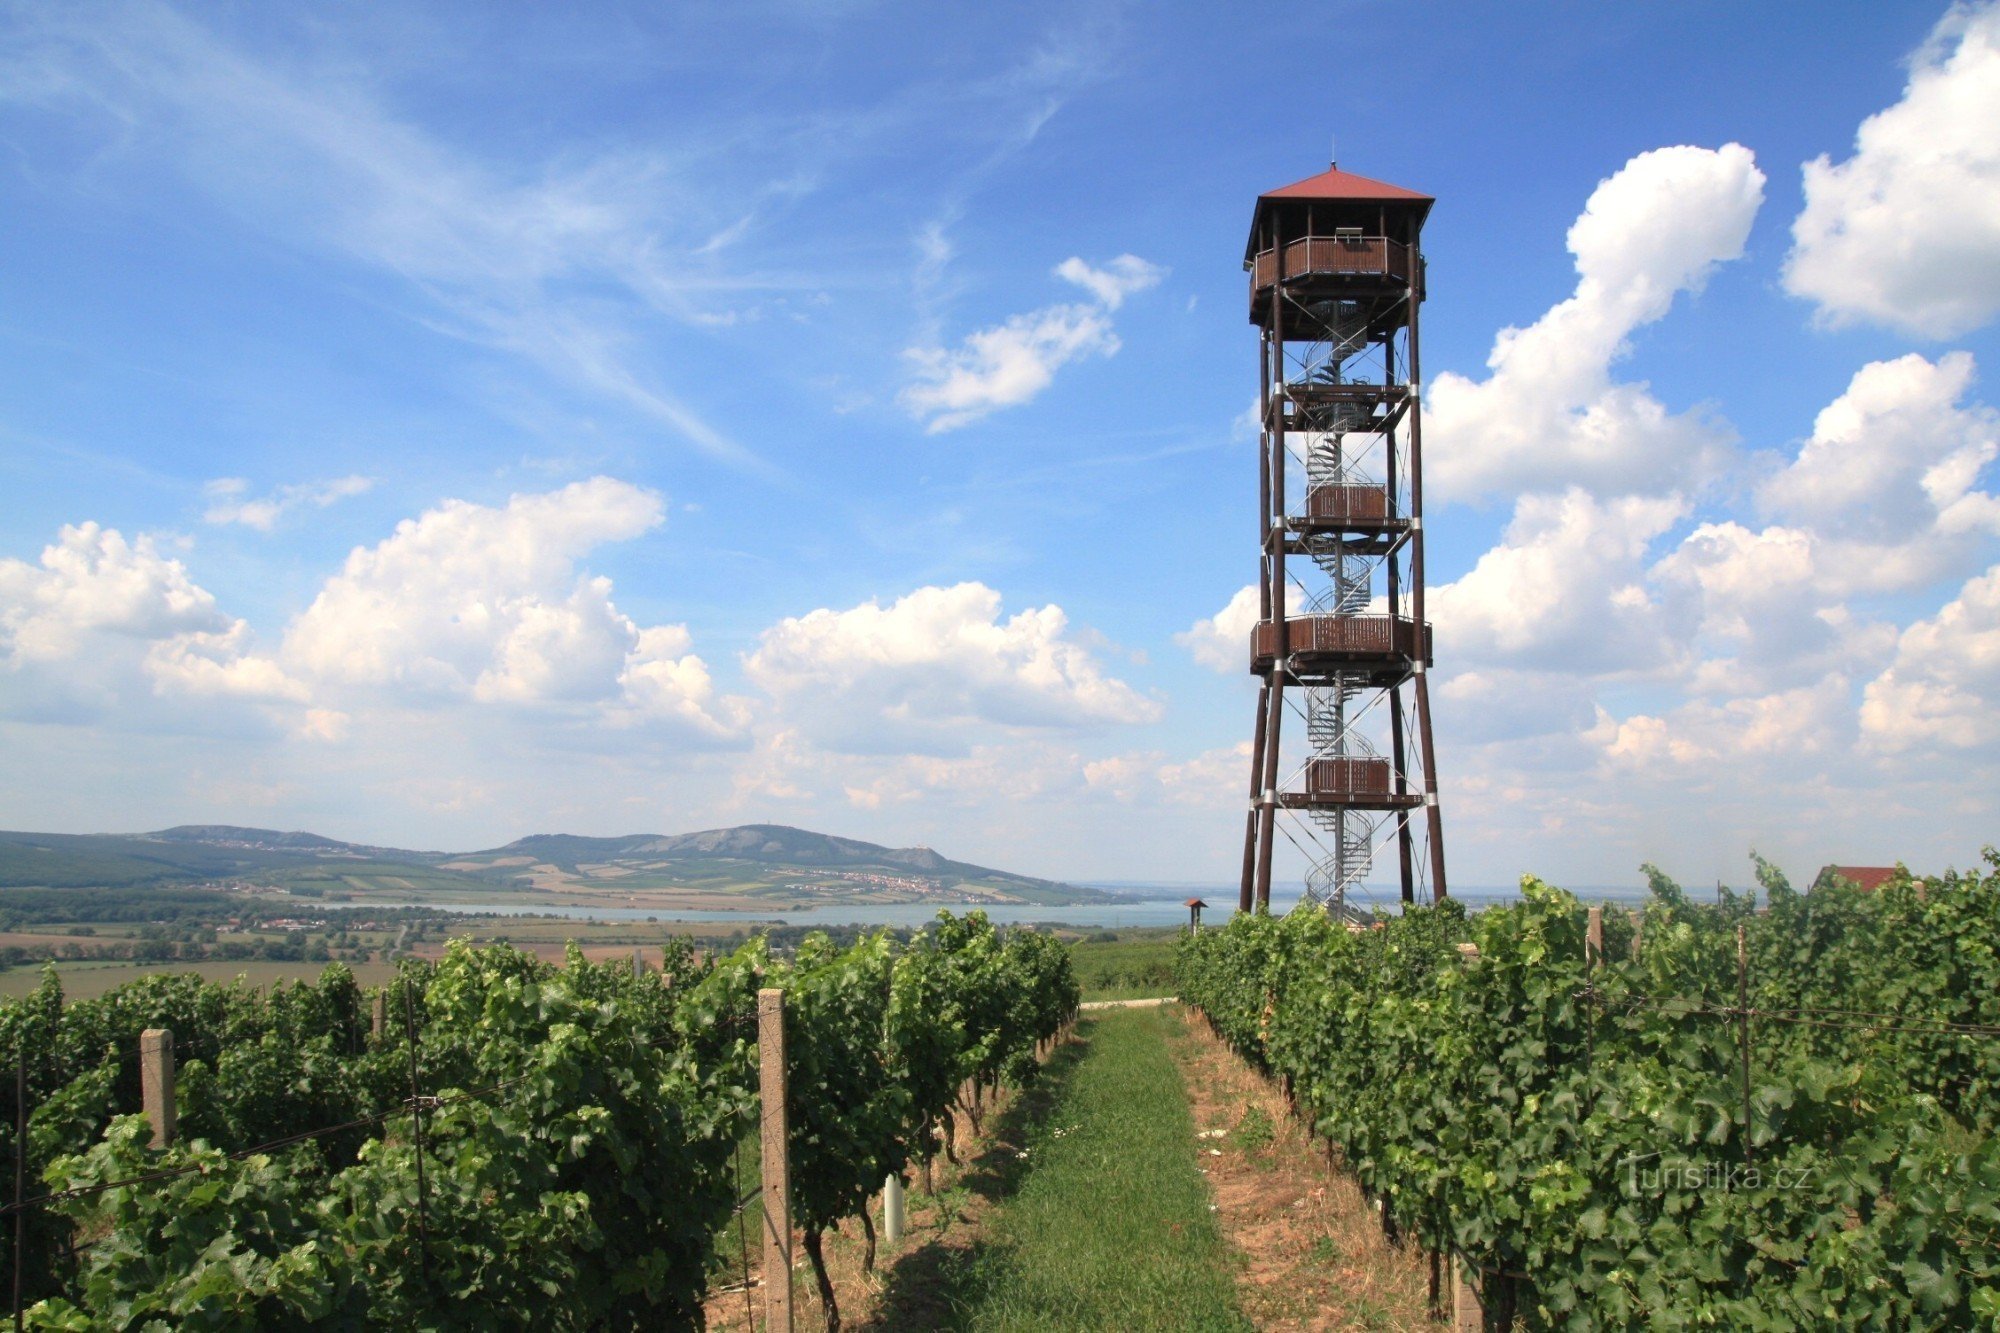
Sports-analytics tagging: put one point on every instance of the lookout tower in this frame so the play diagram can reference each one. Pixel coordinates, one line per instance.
(1336, 279)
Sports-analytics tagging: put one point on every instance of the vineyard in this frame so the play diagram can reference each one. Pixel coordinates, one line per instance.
(1726, 1115)
(518, 1137)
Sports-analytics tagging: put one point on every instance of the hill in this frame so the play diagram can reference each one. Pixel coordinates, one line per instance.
(763, 861)
(762, 858)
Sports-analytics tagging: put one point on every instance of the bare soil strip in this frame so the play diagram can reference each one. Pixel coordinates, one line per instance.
(1312, 1251)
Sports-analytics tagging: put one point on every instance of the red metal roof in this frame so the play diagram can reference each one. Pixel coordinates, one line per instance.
(1866, 878)
(1333, 183)
(1341, 186)
(1194, 902)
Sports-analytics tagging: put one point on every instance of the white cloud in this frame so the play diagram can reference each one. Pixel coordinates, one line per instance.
(221, 665)
(1780, 733)
(923, 672)
(1122, 277)
(1563, 589)
(1891, 470)
(1549, 415)
(228, 505)
(485, 603)
(1942, 691)
(1003, 366)
(1906, 232)
(1011, 363)
(91, 579)
(317, 156)
(101, 623)
(1221, 642)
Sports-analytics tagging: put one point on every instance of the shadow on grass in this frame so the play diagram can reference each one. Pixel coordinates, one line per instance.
(932, 1285)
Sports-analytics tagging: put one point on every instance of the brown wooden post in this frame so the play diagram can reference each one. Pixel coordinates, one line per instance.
(777, 1193)
(156, 1084)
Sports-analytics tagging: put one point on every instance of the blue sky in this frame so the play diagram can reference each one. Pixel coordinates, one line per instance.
(434, 424)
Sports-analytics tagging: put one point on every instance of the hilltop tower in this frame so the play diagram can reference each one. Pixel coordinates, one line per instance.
(1336, 279)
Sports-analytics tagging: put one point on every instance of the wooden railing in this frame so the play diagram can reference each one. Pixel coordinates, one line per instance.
(1347, 256)
(1341, 636)
(1347, 503)
(1348, 777)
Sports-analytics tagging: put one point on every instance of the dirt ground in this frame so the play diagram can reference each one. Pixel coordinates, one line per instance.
(1311, 1246)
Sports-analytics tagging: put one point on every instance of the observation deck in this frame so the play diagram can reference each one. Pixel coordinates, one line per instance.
(1354, 782)
(1348, 408)
(1348, 507)
(1338, 267)
(1383, 648)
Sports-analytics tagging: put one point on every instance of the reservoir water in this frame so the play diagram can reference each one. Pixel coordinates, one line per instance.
(1166, 906)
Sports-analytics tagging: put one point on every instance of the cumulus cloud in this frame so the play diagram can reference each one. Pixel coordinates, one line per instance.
(472, 599)
(1906, 232)
(228, 502)
(1221, 642)
(1550, 415)
(1942, 687)
(919, 673)
(102, 620)
(1011, 363)
(1779, 729)
(91, 579)
(1564, 588)
(485, 603)
(465, 604)
(1894, 462)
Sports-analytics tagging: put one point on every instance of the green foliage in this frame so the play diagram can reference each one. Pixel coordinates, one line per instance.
(1584, 1135)
(1137, 964)
(577, 1138)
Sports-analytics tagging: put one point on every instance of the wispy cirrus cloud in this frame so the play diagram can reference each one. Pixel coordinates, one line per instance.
(229, 500)
(1011, 363)
(516, 261)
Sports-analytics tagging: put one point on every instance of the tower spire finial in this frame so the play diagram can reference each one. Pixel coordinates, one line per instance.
(1332, 151)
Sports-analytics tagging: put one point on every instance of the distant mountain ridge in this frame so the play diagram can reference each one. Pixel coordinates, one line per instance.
(772, 843)
(190, 853)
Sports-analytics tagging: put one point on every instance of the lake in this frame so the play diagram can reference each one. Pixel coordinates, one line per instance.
(1168, 908)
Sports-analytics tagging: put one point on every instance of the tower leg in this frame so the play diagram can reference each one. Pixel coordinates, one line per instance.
(1400, 762)
(1244, 899)
(1433, 816)
(1268, 824)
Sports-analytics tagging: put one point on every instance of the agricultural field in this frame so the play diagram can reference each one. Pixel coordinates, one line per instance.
(1128, 964)
(90, 981)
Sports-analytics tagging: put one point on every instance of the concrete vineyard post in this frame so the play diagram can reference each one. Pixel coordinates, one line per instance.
(638, 962)
(156, 1083)
(1638, 929)
(381, 1021)
(1468, 1315)
(892, 1209)
(777, 1191)
(1593, 934)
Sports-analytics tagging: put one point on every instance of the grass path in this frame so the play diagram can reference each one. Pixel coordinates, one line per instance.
(1103, 1220)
